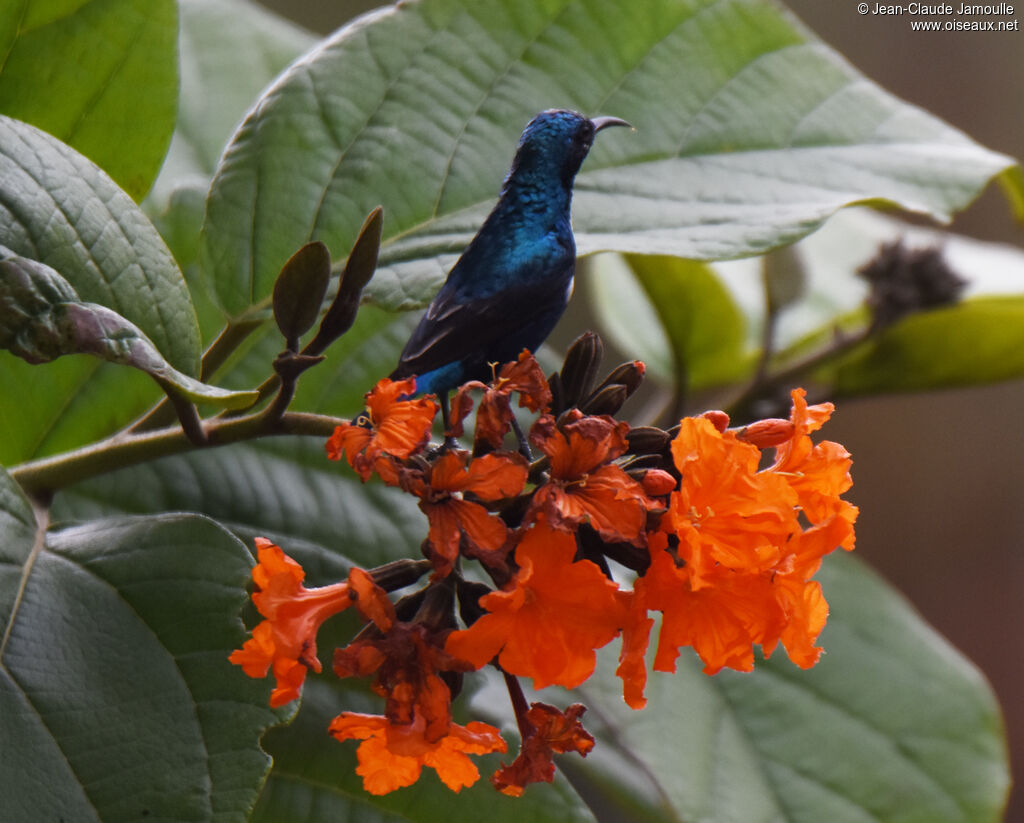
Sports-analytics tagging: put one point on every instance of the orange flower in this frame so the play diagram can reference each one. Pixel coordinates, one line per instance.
(391, 425)
(393, 755)
(725, 512)
(552, 617)
(585, 487)
(737, 569)
(723, 621)
(494, 415)
(406, 659)
(549, 732)
(767, 433)
(286, 640)
(636, 635)
(818, 473)
(440, 488)
(710, 619)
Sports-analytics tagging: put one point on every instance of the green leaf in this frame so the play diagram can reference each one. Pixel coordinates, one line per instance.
(229, 50)
(115, 687)
(282, 488)
(52, 322)
(71, 407)
(58, 208)
(673, 314)
(1012, 183)
(750, 133)
(976, 342)
(179, 224)
(99, 75)
(891, 725)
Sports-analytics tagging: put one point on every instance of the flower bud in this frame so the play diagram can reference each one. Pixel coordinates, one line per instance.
(657, 483)
(299, 291)
(630, 375)
(469, 594)
(606, 401)
(399, 573)
(647, 440)
(719, 419)
(359, 268)
(767, 433)
(580, 368)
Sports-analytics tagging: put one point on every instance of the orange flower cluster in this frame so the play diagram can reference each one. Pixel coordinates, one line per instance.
(732, 564)
(724, 549)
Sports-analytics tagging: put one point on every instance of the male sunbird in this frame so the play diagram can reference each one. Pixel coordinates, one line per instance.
(512, 283)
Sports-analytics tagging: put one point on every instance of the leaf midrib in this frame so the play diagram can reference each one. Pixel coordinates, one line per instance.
(42, 517)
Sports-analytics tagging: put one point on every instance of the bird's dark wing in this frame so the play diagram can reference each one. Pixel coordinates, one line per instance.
(454, 329)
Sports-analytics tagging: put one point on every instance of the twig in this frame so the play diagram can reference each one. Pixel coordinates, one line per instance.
(42, 477)
(229, 339)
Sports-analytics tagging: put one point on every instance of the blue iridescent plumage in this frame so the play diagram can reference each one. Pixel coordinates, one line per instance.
(512, 283)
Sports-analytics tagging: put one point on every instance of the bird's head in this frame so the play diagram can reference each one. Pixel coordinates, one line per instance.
(555, 143)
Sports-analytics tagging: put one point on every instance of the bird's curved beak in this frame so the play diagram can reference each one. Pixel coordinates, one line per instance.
(605, 122)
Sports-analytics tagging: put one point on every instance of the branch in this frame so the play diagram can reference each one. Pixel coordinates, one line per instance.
(40, 478)
(765, 384)
(229, 339)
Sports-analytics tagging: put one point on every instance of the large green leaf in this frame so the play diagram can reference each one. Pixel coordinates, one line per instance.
(118, 702)
(978, 341)
(750, 133)
(281, 488)
(228, 51)
(60, 209)
(100, 75)
(68, 406)
(891, 725)
(43, 319)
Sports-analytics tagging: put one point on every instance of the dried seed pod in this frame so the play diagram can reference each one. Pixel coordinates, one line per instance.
(905, 280)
